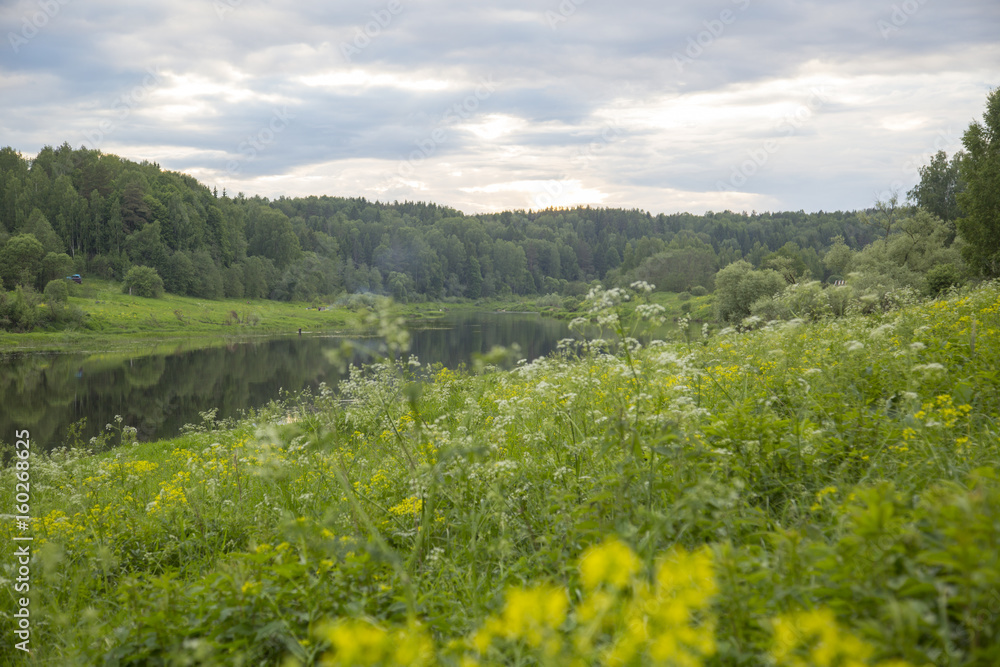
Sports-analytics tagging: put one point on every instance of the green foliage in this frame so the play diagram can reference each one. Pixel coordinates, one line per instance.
(808, 493)
(56, 267)
(698, 290)
(682, 265)
(39, 227)
(980, 168)
(939, 187)
(739, 285)
(839, 257)
(143, 281)
(808, 301)
(114, 213)
(942, 277)
(56, 292)
(21, 260)
(18, 310)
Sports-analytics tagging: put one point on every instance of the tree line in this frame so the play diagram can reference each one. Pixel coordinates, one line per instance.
(83, 211)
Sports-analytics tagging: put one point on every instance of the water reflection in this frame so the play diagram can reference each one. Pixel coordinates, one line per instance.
(166, 387)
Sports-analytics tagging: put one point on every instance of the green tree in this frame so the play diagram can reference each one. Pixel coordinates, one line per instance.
(980, 168)
(143, 281)
(18, 310)
(55, 266)
(475, 278)
(739, 285)
(146, 247)
(838, 258)
(56, 293)
(259, 277)
(21, 260)
(39, 227)
(939, 186)
(270, 234)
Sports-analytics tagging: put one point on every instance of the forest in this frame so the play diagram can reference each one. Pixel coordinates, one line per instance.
(99, 214)
(82, 211)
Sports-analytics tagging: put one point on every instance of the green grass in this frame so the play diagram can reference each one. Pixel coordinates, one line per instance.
(805, 494)
(109, 315)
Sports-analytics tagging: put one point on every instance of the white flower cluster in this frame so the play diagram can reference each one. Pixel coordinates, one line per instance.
(652, 312)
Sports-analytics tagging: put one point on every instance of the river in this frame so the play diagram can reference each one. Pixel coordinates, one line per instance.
(160, 389)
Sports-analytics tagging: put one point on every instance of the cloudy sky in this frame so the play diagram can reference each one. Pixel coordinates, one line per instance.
(664, 106)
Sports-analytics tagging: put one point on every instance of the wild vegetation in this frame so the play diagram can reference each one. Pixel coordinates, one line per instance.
(805, 493)
(81, 211)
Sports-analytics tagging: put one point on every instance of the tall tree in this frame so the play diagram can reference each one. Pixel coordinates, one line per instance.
(981, 199)
(939, 186)
(20, 260)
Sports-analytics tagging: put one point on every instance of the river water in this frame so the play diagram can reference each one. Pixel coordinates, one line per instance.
(162, 388)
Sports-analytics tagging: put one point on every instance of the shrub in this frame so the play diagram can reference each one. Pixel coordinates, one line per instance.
(549, 301)
(143, 281)
(684, 296)
(21, 260)
(739, 285)
(941, 277)
(56, 293)
(18, 310)
(698, 290)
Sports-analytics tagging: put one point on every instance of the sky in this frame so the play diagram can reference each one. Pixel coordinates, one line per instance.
(662, 106)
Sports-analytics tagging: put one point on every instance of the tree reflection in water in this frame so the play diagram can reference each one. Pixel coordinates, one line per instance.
(159, 391)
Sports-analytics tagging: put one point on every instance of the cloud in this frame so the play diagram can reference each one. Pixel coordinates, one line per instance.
(690, 107)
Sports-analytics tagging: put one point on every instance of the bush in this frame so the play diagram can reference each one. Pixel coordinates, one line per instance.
(941, 277)
(571, 303)
(549, 301)
(684, 296)
(143, 281)
(739, 285)
(18, 310)
(56, 293)
(21, 260)
(698, 290)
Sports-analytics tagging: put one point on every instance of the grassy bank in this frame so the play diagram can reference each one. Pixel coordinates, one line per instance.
(805, 494)
(106, 314)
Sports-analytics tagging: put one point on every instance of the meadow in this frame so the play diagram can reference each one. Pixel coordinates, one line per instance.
(105, 315)
(790, 493)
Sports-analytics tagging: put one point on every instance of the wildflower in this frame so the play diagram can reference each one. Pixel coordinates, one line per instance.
(611, 563)
(814, 639)
(412, 506)
(358, 642)
(531, 614)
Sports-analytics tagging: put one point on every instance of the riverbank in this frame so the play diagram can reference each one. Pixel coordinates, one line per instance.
(807, 493)
(106, 318)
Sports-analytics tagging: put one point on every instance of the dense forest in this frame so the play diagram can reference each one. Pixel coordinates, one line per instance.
(82, 211)
(99, 214)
